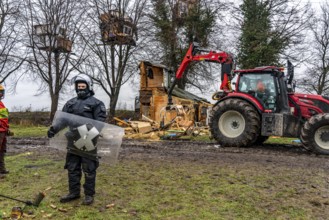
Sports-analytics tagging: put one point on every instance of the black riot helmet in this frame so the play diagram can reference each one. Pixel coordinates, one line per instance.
(83, 78)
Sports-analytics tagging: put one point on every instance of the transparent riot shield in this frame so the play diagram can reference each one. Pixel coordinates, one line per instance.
(86, 137)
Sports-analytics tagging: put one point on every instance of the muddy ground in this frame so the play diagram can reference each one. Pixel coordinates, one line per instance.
(265, 155)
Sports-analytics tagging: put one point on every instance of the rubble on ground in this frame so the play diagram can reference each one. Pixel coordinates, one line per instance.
(152, 130)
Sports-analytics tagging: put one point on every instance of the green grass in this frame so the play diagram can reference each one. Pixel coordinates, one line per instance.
(280, 140)
(164, 189)
(28, 131)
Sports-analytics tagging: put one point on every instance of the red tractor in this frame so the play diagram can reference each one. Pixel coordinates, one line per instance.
(263, 104)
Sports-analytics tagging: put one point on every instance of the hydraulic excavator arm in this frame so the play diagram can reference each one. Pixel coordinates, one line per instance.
(195, 53)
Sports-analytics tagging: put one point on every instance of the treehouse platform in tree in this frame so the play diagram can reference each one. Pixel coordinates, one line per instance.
(117, 29)
(51, 38)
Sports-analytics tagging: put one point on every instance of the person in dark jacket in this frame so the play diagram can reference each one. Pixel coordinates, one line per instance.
(262, 92)
(85, 105)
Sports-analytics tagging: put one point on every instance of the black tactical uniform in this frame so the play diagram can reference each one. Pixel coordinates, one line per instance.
(84, 105)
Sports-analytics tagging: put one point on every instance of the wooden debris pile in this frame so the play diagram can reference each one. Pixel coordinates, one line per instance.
(178, 126)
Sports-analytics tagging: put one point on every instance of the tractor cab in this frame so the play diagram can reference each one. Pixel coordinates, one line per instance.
(264, 85)
(261, 86)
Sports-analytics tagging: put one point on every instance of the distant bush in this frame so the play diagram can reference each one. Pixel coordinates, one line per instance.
(29, 118)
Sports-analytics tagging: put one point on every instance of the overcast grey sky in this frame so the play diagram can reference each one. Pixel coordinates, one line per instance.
(25, 94)
(25, 98)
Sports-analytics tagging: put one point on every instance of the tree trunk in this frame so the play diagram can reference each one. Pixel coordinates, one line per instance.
(55, 95)
(54, 105)
(113, 104)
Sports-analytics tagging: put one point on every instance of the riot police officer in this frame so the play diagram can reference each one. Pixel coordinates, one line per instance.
(85, 105)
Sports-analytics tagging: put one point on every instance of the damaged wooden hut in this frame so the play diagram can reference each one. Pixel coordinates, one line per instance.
(188, 109)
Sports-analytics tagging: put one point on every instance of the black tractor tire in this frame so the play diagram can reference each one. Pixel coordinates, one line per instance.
(234, 123)
(315, 134)
(261, 139)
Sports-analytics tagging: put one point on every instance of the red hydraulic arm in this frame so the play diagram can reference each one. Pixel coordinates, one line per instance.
(194, 54)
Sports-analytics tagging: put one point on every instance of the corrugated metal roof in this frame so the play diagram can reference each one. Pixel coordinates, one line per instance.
(187, 95)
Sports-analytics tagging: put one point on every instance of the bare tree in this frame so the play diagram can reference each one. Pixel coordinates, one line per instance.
(110, 61)
(52, 27)
(289, 19)
(317, 75)
(11, 49)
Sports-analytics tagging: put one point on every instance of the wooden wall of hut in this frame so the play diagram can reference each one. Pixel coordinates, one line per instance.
(154, 98)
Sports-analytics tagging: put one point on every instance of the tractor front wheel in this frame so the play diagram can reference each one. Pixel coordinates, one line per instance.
(315, 134)
(234, 123)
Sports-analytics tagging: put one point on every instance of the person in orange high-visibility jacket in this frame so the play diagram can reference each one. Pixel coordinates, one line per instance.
(4, 130)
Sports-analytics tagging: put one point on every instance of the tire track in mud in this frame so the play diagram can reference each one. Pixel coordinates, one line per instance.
(267, 154)
(203, 152)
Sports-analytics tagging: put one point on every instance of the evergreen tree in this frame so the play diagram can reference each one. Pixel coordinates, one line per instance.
(258, 45)
(177, 29)
(270, 29)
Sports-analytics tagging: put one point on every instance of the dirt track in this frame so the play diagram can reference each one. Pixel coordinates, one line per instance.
(268, 154)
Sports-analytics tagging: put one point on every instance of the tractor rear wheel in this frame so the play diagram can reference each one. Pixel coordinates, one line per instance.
(315, 134)
(234, 123)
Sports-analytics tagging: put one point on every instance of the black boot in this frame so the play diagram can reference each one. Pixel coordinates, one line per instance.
(69, 197)
(88, 200)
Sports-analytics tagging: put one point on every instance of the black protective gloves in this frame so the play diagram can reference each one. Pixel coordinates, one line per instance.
(51, 132)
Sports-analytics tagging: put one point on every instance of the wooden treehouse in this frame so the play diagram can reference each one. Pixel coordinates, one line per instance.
(52, 39)
(188, 108)
(184, 7)
(117, 29)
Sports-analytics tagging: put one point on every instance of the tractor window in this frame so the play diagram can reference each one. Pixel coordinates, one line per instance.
(320, 104)
(324, 106)
(261, 86)
(248, 82)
